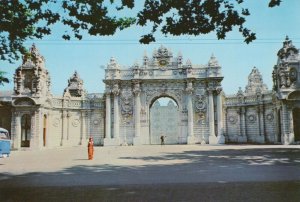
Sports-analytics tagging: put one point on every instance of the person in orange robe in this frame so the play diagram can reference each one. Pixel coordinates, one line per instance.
(91, 148)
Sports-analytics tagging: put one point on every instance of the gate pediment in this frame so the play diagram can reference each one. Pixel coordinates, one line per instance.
(294, 95)
(24, 101)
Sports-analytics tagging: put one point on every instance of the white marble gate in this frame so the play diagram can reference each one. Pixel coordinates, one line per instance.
(130, 92)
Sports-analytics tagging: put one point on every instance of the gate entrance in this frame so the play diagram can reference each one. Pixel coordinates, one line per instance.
(164, 121)
(296, 117)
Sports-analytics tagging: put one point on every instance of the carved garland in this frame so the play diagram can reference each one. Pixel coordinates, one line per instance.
(152, 93)
(126, 102)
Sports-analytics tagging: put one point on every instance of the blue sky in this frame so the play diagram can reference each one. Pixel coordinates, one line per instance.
(236, 58)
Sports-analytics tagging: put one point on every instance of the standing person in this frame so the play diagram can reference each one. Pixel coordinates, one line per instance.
(91, 148)
(162, 140)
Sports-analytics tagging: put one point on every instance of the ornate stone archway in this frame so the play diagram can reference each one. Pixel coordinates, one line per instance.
(130, 92)
(164, 121)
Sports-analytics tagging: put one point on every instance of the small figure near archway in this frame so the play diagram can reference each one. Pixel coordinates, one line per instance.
(90, 148)
(164, 121)
(162, 140)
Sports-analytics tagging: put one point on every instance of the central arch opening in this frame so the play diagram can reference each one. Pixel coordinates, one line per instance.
(164, 121)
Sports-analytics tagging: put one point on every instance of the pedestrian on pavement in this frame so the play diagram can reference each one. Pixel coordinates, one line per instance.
(162, 140)
(91, 148)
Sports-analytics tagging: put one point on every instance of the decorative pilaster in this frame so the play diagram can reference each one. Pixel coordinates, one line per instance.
(64, 127)
(220, 138)
(285, 125)
(35, 129)
(17, 129)
(291, 125)
(48, 130)
(212, 135)
(261, 124)
(107, 117)
(243, 137)
(83, 139)
(116, 93)
(137, 92)
(189, 90)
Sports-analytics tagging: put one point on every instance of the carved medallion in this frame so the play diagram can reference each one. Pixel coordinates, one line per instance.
(75, 122)
(251, 118)
(232, 119)
(270, 117)
(56, 122)
(96, 121)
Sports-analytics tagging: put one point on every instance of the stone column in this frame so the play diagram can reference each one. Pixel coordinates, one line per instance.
(291, 126)
(226, 123)
(277, 135)
(116, 93)
(107, 117)
(220, 138)
(261, 124)
(189, 90)
(83, 140)
(243, 137)
(285, 125)
(48, 130)
(17, 129)
(137, 92)
(35, 130)
(211, 116)
(64, 127)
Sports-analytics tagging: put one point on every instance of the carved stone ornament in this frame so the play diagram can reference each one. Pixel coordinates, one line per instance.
(75, 122)
(96, 122)
(232, 119)
(219, 89)
(213, 62)
(270, 117)
(201, 118)
(200, 103)
(116, 90)
(288, 50)
(126, 102)
(24, 102)
(136, 88)
(56, 122)
(189, 89)
(251, 118)
(255, 82)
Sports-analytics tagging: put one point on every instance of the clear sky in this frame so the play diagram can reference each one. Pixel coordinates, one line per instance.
(236, 58)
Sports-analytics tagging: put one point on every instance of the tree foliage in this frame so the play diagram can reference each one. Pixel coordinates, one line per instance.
(3, 79)
(27, 19)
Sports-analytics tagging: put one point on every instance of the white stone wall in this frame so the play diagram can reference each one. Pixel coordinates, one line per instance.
(96, 126)
(54, 129)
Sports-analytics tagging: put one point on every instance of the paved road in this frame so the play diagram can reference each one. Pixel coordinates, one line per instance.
(153, 173)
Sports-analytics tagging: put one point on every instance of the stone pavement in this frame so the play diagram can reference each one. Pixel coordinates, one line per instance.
(153, 173)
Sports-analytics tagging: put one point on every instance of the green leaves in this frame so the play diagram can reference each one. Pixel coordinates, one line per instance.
(194, 17)
(3, 79)
(27, 19)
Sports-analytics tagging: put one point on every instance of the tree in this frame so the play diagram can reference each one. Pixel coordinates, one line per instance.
(3, 79)
(27, 19)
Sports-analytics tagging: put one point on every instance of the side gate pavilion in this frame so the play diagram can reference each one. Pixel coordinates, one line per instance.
(128, 112)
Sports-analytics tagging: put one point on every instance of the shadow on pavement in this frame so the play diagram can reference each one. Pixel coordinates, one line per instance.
(271, 174)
